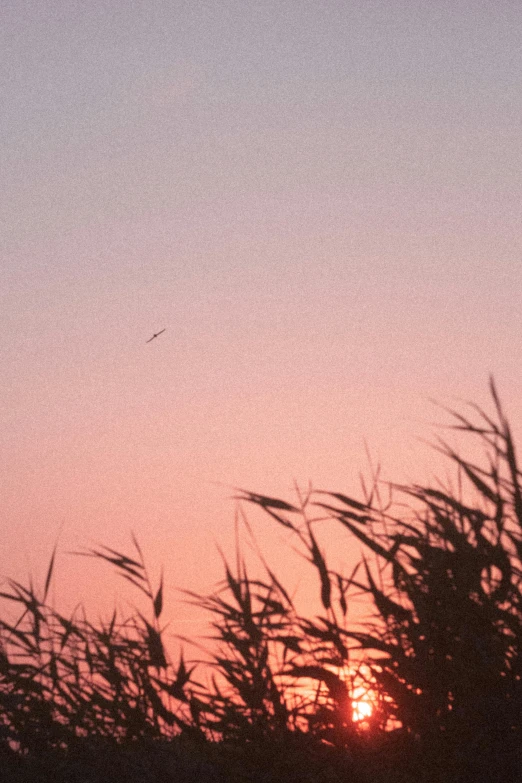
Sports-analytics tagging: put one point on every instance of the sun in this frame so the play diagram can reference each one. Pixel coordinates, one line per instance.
(362, 707)
(362, 697)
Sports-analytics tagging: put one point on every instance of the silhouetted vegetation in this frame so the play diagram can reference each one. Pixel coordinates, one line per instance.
(441, 571)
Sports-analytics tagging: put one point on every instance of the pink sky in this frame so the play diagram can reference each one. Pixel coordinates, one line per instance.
(320, 203)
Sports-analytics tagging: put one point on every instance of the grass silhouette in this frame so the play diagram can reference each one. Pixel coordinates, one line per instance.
(442, 573)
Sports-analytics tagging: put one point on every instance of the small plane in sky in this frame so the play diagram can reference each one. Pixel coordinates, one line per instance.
(155, 335)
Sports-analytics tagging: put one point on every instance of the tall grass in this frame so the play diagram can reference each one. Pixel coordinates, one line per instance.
(64, 678)
(441, 571)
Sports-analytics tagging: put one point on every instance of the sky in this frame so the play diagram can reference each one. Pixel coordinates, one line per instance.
(320, 203)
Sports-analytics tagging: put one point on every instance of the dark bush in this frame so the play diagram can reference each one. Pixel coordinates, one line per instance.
(442, 574)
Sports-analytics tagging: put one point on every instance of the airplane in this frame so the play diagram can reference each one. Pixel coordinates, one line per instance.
(155, 335)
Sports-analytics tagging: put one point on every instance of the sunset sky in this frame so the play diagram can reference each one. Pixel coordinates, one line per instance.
(320, 202)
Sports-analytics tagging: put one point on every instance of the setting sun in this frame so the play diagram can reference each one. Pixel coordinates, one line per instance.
(362, 707)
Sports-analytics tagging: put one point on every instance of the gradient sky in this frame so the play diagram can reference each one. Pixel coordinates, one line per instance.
(321, 204)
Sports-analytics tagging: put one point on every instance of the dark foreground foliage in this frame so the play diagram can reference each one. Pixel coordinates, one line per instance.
(83, 701)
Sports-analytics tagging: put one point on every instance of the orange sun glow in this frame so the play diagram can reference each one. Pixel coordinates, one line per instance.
(362, 707)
